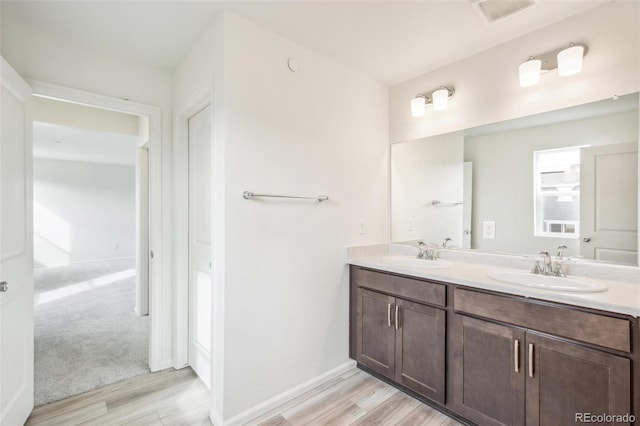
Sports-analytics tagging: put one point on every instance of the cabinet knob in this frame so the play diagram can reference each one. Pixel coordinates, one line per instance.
(586, 239)
(4, 286)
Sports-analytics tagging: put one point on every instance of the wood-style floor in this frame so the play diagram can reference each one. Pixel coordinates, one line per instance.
(178, 397)
(169, 397)
(355, 398)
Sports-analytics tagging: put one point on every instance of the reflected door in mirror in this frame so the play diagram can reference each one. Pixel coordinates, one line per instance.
(608, 207)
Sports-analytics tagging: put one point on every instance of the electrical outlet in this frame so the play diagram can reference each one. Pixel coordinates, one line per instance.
(489, 230)
(410, 228)
(363, 227)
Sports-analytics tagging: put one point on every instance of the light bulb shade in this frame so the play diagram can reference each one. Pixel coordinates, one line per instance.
(570, 60)
(530, 72)
(417, 106)
(440, 99)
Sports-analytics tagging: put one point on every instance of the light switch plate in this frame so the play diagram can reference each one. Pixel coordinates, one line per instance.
(489, 230)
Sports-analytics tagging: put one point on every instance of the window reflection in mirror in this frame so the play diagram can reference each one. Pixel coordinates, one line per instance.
(557, 192)
(502, 196)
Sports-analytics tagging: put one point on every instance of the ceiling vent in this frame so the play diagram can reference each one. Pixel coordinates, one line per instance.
(493, 10)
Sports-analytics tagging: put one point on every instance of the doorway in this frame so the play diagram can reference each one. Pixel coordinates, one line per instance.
(90, 221)
(151, 253)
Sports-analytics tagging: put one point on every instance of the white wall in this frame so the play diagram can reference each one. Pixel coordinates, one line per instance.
(82, 211)
(322, 130)
(50, 58)
(84, 117)
(503, 167)
(487, 87)
(422, 171)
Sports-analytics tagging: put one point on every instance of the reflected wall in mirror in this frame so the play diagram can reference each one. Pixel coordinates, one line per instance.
(563, 178)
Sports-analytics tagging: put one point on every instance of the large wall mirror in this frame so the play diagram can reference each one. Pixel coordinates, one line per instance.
(564, 180)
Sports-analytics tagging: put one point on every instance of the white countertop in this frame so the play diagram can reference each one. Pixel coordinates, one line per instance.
(621, 297)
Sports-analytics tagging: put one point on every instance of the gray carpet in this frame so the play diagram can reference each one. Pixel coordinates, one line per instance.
(86, 332)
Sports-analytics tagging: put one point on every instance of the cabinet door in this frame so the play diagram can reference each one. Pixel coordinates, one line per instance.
(420, 348)
(375, 346)
(564, 379)
(487, 373)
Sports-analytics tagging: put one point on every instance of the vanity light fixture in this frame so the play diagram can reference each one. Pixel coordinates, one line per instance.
(570, 60)
(530, 72)
(439, 98)
(567, 60)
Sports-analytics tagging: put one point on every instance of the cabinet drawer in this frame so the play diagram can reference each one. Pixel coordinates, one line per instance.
(408, 288)
(614, 333)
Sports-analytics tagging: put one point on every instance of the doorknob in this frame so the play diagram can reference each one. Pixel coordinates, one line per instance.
(586, 239)
(4, 286)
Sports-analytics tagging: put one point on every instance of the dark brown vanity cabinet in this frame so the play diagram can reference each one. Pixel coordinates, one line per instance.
(399, 338)
(510, 375)
(503, 359)
(566, 379)
(487, 376)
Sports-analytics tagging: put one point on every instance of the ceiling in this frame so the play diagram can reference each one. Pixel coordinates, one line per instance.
(391, 41)
(59, 142)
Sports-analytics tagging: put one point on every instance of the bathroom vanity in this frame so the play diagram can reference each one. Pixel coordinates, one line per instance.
(495, 354)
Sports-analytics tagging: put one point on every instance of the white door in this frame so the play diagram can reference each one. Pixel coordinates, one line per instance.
(200, 244)
(609, 203)
(16, 249)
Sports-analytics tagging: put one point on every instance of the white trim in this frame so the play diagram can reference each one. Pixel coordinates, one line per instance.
(215, 418)
(278, 400)
(142, 224)
(158, 288)
(181, 224)
(14, 84)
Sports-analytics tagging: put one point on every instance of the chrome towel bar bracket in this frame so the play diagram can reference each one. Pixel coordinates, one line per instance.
(446, 203)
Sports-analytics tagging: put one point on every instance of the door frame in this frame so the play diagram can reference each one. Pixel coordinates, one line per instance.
(159, 314)
(181, 223)
(142, 223)
(182, 113)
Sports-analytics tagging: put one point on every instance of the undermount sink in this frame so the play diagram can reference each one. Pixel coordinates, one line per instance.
(414, 262)
(570, 284)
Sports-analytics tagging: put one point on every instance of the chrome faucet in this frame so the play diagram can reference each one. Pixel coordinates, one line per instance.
(548, 267)
(537, 269)
(560, 252)
(445, 242)
(422, 247)
(427, 253)
(557, 270)
(431, 253)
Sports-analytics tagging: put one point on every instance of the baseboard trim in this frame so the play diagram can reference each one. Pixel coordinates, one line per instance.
(162, 365)
(270, 404)
(215, 418)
